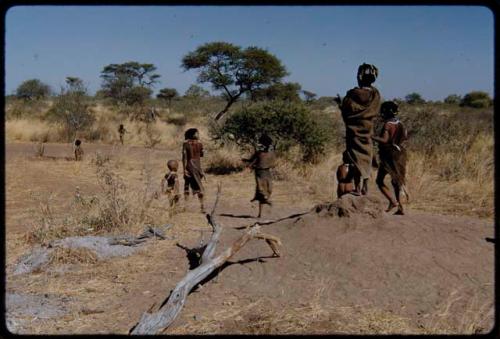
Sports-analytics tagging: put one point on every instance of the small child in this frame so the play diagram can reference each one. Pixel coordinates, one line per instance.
(121, 131)
(78, 150)
(170, 183)
(261, 162)
(345, 177)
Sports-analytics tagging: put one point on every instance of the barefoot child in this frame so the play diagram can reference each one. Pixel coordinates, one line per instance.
(78, 150)
(345, 176)
(121, 131)
(192, 151)
(392, 155)
(170, 183)
(262, 161)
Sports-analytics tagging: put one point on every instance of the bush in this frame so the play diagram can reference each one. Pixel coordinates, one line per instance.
(72, 108)
(452, 99)
(287, 123)
(476, 99)
(33, 89)
(414, 99)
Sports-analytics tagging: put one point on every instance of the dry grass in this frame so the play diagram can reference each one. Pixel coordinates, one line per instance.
(27, 130)
(221, 161)
(64, 256)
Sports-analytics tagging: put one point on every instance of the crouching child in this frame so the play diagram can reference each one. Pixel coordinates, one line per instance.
(345, 176)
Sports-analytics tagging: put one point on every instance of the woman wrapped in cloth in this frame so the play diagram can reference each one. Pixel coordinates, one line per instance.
(262, 161)
(192, 151)
(393, 155)
(359, 108)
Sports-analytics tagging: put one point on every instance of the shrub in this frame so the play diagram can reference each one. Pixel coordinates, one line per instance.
(476, 99)
(452, 99)
(286, 123)
(414, 99)
(33, 89)
(72, 108)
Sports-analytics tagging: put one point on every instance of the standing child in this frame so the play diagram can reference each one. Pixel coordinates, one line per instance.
(170, 183)
(392, 154)
(262, 161)
(78, 150)
(192, 151)
(121, 131)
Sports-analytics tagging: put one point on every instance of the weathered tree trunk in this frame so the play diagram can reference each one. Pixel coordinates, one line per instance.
(152, 323)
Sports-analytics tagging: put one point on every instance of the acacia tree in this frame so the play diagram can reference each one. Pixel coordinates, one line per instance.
(309, 96)
(130, 82)
(414, 99)
(196, 91)
(32, 89)
(288, 91)
(167, 94)
(234, 70)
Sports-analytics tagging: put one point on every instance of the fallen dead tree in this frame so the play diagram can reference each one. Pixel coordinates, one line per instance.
(154, 322)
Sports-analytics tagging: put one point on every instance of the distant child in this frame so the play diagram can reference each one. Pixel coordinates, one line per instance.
(78, 150)
(345, 176)
(393, 155)
(170, 183)
(121, 131)
(261, 162)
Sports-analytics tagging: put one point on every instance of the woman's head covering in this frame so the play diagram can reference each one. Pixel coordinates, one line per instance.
(191, 133)
(389, 109)
(173, 165)
(367, 73)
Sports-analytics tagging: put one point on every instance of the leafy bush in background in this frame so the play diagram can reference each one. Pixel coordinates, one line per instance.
(287, 123)
(476, 99)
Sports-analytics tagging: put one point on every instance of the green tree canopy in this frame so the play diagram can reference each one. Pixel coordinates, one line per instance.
(234, 70)
(33, 89)
(476, 99)
(287, 123)
(167, 94)
(196, 91)
(130, 82)
(414, 99)
(453, 99)
(72, 107)
(309, 95)
(288, 91)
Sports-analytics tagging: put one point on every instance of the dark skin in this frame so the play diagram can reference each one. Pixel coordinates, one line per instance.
(345, 180)
(393, 201)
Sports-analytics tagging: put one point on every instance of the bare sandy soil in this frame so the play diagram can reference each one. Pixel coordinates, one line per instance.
(369, 273)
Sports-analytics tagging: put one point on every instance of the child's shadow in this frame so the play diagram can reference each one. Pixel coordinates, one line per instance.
(243, 216)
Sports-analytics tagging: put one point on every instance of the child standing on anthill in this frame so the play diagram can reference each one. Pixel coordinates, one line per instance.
(261, 162)
(170, 183)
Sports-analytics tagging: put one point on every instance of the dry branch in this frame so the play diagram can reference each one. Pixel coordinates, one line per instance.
(155, 322)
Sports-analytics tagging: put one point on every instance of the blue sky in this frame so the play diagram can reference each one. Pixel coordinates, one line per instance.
(432, 50)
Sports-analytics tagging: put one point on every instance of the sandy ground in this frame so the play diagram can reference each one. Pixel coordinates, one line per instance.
(419, 273)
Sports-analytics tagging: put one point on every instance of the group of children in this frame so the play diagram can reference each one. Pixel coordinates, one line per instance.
(392, 156)
(192, 150)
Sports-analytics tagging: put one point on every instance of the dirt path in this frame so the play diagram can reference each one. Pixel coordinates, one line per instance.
(419, 273)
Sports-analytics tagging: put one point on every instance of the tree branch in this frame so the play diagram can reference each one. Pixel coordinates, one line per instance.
(152, 323)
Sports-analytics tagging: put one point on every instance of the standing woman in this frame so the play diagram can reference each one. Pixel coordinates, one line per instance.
(393, 155)
(192, 151)
(359, 108)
